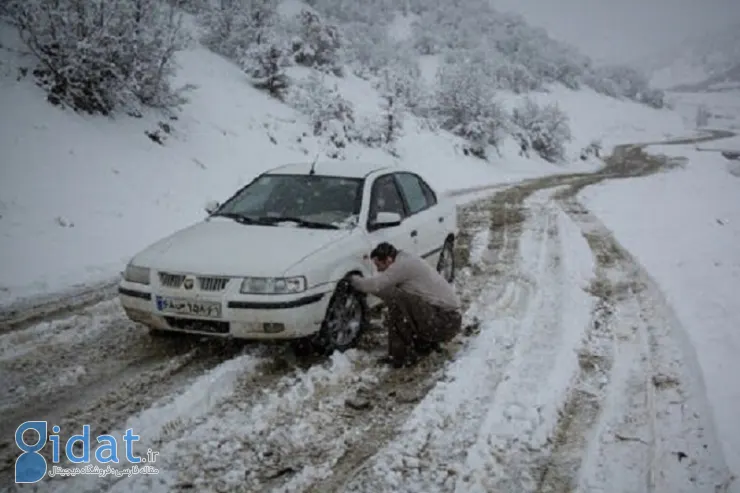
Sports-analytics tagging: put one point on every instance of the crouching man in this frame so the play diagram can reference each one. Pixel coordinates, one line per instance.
(423, 308)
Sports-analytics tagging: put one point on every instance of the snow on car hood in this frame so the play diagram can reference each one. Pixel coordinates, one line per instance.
(221, 246)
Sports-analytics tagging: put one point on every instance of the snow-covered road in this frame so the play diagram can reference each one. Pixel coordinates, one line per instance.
(572, 375)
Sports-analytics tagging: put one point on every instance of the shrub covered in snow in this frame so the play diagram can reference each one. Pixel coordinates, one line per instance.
(623, 81)
(592, 149)
(543, 129)
(330, 114)
(394, 88)
(251, 33)
(99, 56)
(317, 43)
(466, 105)
(191, 6)
(5, 9)
(232, 27)
(371, 12)
(265, 63)
(515, 77)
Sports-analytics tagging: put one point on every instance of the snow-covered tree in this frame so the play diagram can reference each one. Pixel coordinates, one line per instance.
(592, 149)
(627, 82)
(317, 43)
(6, 8)
(543, 129)
(191, 6)
(467, 106)
(329, 113)
(99, 56)
(393, 89)
(367, 48)
(515, 77)
(265, 63)
(231, 27)
(370, 12)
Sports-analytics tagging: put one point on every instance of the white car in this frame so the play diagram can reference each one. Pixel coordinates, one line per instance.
(267, 263)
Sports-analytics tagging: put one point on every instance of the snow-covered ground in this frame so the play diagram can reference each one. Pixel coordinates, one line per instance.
(684, 228)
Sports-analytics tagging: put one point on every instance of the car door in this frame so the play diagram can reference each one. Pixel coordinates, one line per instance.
(385, 196)
(422, 220)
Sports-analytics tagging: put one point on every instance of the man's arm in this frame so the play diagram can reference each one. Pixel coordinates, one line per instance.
(395, 274)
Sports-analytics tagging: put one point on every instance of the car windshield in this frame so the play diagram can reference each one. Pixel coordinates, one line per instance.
(307, 200)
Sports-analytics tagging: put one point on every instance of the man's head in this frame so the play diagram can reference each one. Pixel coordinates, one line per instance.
(383, 255)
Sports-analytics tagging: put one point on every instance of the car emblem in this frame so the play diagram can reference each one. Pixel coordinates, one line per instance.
(188, 283)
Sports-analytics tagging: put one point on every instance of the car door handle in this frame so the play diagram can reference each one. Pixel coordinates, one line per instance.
(441, 219)
(414, 233)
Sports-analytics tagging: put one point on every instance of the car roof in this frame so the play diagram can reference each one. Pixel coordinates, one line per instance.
(344, 169)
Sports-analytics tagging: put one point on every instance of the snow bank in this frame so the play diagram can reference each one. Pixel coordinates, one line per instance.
(684, 227)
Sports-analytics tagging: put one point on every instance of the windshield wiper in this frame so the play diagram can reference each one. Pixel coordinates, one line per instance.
(301, 222)
(240, 218)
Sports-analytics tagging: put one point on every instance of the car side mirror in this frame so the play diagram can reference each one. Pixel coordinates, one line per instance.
(386, 220)
(211, 206)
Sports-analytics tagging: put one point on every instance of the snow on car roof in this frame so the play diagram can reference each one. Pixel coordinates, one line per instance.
(345, 169)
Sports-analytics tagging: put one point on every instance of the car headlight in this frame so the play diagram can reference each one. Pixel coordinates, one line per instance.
(273, 285)
(134, 273)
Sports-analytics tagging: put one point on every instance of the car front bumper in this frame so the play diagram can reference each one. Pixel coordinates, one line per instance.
(256, 317)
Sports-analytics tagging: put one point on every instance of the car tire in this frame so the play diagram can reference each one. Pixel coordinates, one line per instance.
(447, 254)
(345, 300)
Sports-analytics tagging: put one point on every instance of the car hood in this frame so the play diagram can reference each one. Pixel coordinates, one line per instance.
(223, 247)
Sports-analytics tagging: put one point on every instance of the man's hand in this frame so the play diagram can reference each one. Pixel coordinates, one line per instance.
(354, 281)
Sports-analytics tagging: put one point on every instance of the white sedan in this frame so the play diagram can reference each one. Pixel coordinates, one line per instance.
(267, 263)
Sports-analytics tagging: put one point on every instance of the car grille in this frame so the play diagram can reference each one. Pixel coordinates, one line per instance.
(171, 280)
(212, 326)
(205, 283)
(212, 283)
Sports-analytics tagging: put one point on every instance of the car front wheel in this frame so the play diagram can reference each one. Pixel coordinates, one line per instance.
(346, 317)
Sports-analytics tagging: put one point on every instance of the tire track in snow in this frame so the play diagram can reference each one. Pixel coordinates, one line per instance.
(499, 219)
(436, 438)
(168, 418)
(621, 415)
(655, 425)
(503, 215)
(517, 426)
(101, 370)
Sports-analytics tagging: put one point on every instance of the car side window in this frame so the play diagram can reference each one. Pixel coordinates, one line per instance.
(413, 191)
(385, 197)
(428, 193)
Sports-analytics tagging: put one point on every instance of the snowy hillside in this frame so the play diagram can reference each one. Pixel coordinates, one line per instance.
(80, 193)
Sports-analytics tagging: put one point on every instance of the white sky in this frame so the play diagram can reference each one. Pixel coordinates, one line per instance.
(625, 30)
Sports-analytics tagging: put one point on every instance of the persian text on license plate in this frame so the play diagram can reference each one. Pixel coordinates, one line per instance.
(181, 306)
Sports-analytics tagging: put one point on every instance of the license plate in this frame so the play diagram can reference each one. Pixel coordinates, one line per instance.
(181, 306)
